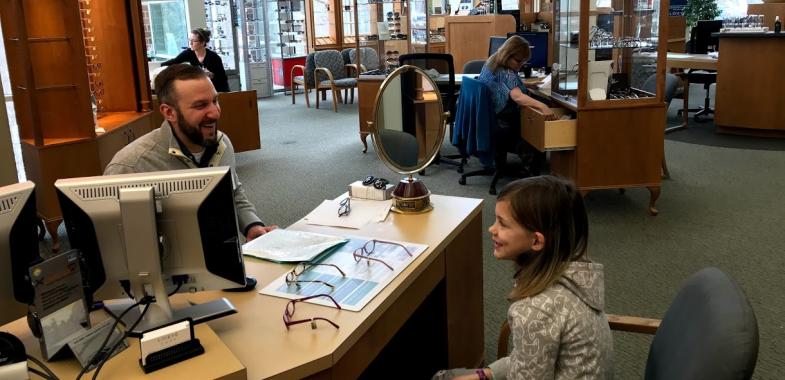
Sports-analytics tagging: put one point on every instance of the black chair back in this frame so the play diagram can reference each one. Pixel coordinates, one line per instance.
(444, 65)
(709, 332)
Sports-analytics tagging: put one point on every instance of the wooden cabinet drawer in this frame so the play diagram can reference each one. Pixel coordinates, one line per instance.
(548, 135)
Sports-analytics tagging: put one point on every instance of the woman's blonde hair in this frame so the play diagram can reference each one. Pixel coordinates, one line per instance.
(553, 207)
(514, 45)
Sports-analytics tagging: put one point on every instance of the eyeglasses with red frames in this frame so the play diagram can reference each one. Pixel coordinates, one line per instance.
(292, 278)
(288, 312)
(364, 252)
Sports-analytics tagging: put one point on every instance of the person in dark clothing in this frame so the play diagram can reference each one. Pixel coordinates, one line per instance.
(200, 56)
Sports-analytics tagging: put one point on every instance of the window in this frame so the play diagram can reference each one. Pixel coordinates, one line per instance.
(165, 27)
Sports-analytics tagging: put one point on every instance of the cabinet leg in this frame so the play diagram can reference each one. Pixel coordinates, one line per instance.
(655, 193)
(51, 227)
(363, 137)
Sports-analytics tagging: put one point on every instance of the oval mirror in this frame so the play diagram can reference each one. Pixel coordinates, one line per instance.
(408, 130)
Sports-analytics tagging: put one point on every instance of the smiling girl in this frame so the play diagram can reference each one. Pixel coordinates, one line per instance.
(558, 325)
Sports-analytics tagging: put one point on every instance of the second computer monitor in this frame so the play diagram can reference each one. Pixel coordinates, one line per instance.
(700, 38)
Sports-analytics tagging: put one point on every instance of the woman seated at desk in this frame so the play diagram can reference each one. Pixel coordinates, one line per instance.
(500, 75)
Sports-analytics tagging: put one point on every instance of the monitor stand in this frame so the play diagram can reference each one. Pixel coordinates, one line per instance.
(198, 313)
(143, 257)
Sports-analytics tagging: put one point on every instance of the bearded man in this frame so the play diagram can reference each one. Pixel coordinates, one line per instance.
(188, 138)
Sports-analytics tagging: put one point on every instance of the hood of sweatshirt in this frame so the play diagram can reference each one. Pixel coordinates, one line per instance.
(587, 281)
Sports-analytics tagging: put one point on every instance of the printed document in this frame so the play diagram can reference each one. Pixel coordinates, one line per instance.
(364, 278)
(284, 246)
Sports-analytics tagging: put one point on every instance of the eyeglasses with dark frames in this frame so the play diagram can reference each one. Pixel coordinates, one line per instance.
(364, 252)
(345, 207)
(288, 312)
(292, 278)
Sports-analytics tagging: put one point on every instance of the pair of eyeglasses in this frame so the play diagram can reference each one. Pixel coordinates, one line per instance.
(293, 277)
(393, 24)
(345, 207)
(288, 312)
(396, 14)
(364, 252)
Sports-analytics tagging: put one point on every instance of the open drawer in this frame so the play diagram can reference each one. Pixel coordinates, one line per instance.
(548, 135)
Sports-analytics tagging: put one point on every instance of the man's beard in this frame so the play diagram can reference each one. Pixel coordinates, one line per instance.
(194, 132)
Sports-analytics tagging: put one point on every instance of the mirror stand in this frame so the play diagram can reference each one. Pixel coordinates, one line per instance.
(411, 196)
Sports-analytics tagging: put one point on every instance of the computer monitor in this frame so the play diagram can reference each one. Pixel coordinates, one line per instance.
(18, 249)
(538, 43)
(700, 38)
(508, 5)
(495, 43)
(151, 234)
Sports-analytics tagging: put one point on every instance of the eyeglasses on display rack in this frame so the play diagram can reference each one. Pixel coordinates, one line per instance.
(288, 313)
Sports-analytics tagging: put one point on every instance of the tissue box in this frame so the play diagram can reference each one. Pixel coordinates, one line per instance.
(358, 190)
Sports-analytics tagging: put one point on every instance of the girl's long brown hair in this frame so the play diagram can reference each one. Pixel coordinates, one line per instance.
(553, 207)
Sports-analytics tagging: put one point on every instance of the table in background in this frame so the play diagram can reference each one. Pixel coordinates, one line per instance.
(750, 96)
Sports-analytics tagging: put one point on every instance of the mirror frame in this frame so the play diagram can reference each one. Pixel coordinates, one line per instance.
(375, 130)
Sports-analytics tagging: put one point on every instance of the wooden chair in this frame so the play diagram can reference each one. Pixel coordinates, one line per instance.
(709, 332)
(331, 73)
(306, 79)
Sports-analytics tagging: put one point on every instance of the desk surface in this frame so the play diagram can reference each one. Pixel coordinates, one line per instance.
(257, 335)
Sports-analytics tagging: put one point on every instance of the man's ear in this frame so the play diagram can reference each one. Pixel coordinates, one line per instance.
(168, 112)
(539, 242)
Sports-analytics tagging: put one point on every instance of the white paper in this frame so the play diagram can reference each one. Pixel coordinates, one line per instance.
(363, 281)
(363, 211)
(290, 246)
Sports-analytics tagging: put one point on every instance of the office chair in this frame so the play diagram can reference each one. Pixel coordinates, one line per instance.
(671, 85)
(477, 133)
(709, 332)
(704, 77)
(442, 63)
(473, 66)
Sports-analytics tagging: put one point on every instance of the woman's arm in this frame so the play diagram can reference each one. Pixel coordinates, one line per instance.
(524, 100)
(180, 58)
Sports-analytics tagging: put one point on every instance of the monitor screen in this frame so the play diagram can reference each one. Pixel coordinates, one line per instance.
(179, 226)
(701, 40)
(495, 43)
(538, 43)
(509, 5)
(18, 249)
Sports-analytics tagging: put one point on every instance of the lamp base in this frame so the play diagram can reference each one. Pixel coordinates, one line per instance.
(411, 197)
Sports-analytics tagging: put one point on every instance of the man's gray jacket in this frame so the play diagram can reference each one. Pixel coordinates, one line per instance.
(159, 150)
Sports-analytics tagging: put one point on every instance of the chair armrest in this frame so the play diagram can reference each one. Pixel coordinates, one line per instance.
(633, 324)
(295, 67)
(326, 71)
(351, 67)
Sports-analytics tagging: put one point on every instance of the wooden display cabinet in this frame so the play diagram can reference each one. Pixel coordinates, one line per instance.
(619, 127)
(55, 50)
(468, 36)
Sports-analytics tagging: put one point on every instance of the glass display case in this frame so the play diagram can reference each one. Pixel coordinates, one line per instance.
(287, 39)
(253, 47)
(384, 27)
(606, 53)
(218, 18)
